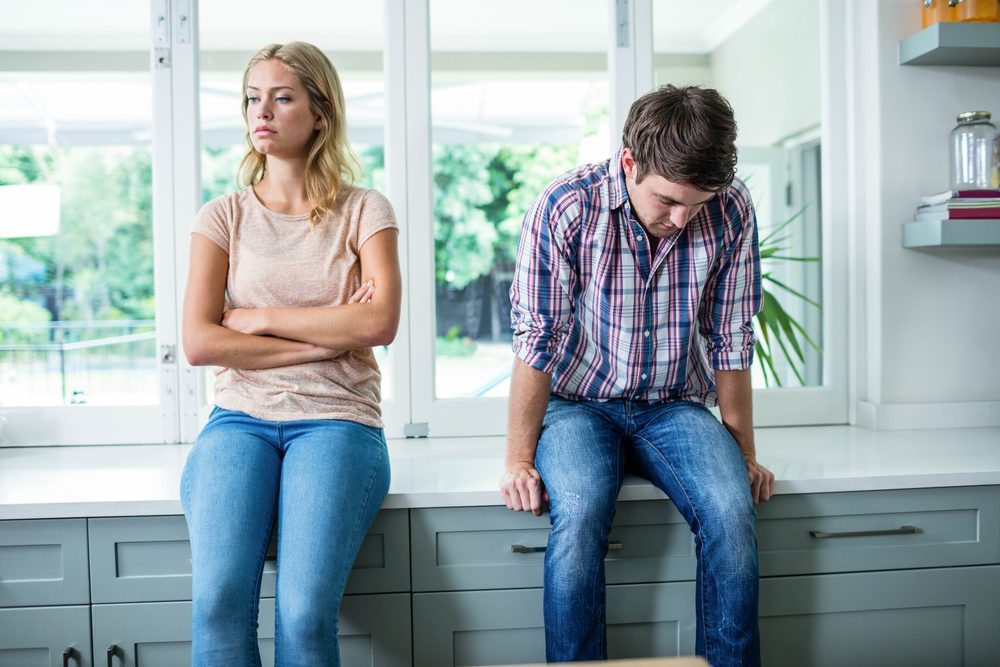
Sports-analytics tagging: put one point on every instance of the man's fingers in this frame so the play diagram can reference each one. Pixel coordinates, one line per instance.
(535, 492)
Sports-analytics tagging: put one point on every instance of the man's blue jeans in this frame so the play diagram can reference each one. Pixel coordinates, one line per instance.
(325, 481)
(684, 450)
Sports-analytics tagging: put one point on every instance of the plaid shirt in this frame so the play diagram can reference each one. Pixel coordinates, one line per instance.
(591, 307)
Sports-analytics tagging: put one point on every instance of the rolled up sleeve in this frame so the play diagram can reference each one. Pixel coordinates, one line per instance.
(541, 306)
(734, 294)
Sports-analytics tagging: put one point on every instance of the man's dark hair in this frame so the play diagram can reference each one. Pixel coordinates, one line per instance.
(686, 135)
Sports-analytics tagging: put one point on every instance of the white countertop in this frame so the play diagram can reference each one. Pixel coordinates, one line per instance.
(51, 482)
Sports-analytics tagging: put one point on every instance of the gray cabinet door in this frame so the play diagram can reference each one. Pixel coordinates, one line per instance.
(506, 626)
(472, 548)
(148, 559)
(374, 630)
(814, 533)
(43, 562)
(45, 637)
(917, 618)
(158, 634)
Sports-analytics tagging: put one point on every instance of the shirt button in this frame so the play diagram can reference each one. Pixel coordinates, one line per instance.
(643, 376)
(638, 237)
(646, 333)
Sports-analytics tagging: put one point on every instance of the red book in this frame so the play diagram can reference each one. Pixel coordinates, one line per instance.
(944, 213)
(942, 197)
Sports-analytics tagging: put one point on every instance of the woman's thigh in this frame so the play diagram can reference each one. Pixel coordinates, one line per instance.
(229, 492)
(334, 478)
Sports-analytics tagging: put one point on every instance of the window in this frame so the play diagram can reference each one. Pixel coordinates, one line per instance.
(79, 311)
(114, 131)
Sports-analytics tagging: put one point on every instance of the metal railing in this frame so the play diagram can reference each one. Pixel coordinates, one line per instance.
(76, 362)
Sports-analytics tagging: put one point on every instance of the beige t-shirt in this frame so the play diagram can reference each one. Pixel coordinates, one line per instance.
(276, 260)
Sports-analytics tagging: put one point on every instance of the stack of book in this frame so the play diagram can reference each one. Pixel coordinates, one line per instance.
(959, 205)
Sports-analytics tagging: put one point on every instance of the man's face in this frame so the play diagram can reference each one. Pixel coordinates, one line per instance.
(662, 207)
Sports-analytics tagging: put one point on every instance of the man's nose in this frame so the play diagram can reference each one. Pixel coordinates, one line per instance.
(679, 216)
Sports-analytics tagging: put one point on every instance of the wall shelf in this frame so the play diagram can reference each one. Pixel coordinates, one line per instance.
(951, 233)
(953, 44)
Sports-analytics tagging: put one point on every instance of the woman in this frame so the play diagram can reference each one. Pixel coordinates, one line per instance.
(293, 279)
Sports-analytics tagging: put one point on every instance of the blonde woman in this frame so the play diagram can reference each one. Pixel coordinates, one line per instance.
(293, 279)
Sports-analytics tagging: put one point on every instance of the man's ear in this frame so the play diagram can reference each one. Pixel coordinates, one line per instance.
(628, 163)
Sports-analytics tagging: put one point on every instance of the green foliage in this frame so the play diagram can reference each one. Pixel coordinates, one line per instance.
(101, 261)
(779, 331)
(482, 192)
(454, 344)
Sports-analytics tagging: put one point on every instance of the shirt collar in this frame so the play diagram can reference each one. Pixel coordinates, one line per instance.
(616, 180)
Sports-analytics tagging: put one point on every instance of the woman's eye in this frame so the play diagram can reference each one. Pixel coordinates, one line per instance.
(282, 99)
(252, 100)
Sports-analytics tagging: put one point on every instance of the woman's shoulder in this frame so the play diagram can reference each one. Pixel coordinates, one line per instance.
(229, 206)
(357, 202)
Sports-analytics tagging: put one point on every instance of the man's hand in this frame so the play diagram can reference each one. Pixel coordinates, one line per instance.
(761, 481)
(522, 489)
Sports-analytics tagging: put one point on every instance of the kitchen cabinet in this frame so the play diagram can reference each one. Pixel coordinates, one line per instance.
(45, 636)
(901, 576)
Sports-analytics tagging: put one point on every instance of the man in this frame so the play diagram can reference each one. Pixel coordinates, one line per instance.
(636, 283)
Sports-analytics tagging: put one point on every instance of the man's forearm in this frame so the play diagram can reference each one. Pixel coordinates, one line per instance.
(736, 406)
(529, 396)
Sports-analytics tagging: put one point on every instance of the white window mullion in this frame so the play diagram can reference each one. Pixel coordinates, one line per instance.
(397, 411)
(164, 268)
(412, 19)
(187, 191)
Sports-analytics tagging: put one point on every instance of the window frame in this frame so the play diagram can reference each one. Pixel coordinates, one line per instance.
(414, 409)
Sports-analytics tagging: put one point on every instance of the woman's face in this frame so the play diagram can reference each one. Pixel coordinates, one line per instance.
(280, 121)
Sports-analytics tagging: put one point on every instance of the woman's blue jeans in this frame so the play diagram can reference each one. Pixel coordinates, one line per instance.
(324, 480)
(684, 450)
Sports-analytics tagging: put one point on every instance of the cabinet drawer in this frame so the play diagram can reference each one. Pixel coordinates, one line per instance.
(146, 559)
(917, 618)
(45, 636)
(465, 548)
(879, 530)
(43, 562)
(373, 630)
(506, 627)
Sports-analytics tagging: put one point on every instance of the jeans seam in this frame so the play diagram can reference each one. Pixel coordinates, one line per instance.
(255, 592)
(368, 495)
(694, 514)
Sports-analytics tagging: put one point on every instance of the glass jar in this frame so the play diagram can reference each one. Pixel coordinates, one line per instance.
(973, 151)
(980, 11)
(939, 11)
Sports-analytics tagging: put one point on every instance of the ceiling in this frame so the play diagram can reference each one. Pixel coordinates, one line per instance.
(680, 26)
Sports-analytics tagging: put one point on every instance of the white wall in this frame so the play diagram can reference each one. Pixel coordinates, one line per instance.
(769, 72)
(929, 342)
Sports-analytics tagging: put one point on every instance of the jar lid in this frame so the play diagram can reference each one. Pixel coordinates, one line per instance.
(973, 115)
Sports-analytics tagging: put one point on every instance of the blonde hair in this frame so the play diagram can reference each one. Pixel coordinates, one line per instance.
(331, 162)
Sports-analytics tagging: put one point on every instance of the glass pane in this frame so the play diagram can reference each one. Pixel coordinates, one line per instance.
(754, 54)
(351, 35)
(77, 306)
(519, 94)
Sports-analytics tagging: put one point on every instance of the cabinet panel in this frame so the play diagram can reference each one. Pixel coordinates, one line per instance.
(43, 562)
(40, 636)
(468, 548)
(885, 530)
(145, 559)
(158, 634)
(918, 618)
(374, 630)
(506, 626)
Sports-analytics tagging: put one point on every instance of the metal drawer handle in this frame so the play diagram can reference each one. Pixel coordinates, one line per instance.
(112, 652)
(521, 549)
(902, 530)
(68, 655)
